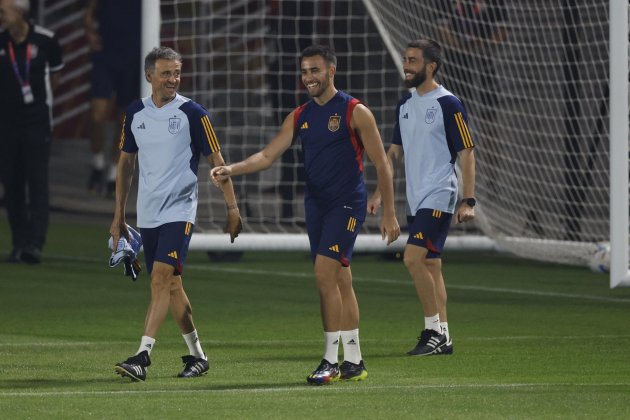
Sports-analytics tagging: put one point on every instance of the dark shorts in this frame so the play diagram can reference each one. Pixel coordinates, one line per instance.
(167, 244)
(429, 229)
(332, 231)
(110, 78)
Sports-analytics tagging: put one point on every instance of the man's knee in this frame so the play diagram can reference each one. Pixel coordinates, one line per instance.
(326, 272)
(162, 276)
(415, 257)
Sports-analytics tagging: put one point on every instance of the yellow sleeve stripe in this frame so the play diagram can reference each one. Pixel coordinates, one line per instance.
(210, 135)
(122, 134)
(463, 130)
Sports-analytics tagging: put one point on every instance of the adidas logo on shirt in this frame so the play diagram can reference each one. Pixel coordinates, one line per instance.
(173, 254)
(304, 126)
(406, 116)
(141, 127)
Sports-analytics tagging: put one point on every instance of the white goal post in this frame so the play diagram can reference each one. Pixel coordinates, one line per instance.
(619, 150)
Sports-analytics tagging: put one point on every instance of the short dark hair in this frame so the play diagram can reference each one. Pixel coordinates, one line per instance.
(431, 51)
(160, 53)
(324, 51)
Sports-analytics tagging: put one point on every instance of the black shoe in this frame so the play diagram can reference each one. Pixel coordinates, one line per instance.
(446, 349)
(193, 367)
(352, 372)
(95, 181)
(429, 342)
(31, 255)
(15, 256)
(135, 367)
(325, 373)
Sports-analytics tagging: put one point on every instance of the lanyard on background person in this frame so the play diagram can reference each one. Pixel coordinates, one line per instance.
(27, 92)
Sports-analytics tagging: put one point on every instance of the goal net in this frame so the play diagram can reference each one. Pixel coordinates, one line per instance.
(533, 76)
(241, 62)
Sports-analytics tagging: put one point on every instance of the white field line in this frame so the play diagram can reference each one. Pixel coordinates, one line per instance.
(404, 282)
(293, 274)
(306, 388)
(222, 343)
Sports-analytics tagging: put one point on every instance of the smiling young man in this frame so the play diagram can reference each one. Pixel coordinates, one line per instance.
(334, 129)
(432, 131)
(169, 133)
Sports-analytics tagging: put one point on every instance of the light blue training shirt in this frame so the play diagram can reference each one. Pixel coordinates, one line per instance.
(431, 128)
(169, 141)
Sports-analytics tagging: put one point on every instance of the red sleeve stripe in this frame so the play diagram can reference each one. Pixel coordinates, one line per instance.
(357, 144)
(210, 135)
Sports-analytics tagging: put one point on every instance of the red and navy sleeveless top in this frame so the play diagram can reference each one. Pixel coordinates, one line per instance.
(332, 151)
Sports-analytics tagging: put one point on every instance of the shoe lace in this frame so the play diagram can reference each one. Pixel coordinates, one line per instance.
(324, 366)
(139, 359)
(191, 362)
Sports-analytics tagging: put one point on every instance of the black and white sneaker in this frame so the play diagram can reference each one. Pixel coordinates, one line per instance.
(429, 342)
(446, 349)
(193, 367)
(135, 367)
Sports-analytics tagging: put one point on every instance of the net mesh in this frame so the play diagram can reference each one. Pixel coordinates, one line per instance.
(533, 77)
(241, 62)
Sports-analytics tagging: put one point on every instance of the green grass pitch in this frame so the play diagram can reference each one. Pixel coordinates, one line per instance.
(531, 340)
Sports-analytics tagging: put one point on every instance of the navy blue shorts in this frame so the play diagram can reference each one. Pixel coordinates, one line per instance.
(110, 78)
(167, 244)
(429, 229)
(332, 231)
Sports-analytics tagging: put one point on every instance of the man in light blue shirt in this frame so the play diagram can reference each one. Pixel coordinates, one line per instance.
(432, 131)
(169, 133)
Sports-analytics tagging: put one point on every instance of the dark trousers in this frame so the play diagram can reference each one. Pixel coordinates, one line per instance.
(25, 152)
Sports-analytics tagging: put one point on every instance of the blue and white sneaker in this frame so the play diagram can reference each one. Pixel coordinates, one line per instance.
(135, 367)
(446, 349)
(429, 342)
(193, 367)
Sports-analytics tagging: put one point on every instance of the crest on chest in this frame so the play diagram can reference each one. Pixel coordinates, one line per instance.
(334, 122)
(174, 125)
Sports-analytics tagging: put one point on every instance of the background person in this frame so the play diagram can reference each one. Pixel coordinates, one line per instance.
(28, 54)
(113, 30)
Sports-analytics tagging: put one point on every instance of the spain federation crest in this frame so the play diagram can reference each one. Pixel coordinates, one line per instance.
(430, 115)
(174, 125)
(334, 122)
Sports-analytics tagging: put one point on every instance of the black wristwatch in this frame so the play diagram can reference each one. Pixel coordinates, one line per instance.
(470, 202)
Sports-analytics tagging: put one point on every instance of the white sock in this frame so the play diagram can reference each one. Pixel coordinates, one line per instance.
(194, 345)
(351, 347)
(111, 175)
(433, 323)
(331, 346)
(444, 326)
(146, 344)
(98, 161)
